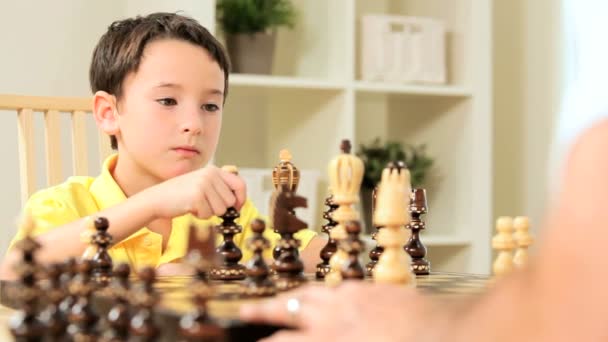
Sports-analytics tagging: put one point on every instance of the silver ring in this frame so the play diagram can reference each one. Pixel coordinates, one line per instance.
(293, 308)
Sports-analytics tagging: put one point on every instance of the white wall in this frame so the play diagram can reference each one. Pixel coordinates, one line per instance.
(45, 49)
(527, 95)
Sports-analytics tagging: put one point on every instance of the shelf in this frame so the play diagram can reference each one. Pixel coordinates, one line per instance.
(283, 82)
(412, 89)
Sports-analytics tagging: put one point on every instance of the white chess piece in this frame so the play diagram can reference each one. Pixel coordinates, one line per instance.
(523, 239)
(504, 244)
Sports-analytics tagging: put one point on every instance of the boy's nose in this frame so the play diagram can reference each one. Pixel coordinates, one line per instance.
(192, 124)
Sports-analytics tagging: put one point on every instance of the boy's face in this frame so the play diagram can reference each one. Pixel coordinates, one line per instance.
(170, 113)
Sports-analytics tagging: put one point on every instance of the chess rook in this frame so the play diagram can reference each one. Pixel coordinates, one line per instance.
(258, 283)
(330, 247)
(345, 175)
(394, 265)
(414, 247)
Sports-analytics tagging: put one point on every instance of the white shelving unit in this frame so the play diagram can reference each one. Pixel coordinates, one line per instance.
(314, 99)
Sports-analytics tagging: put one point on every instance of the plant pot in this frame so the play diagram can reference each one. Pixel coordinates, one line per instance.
(251, 53)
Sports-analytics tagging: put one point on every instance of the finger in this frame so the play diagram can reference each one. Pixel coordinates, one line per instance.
(237, 185)
(216, 203)
(224, 192)
(275, 310)
(202, 209)
(289, 336)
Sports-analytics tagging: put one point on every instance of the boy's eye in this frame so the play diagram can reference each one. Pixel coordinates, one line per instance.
(167, 101)
(210, 107)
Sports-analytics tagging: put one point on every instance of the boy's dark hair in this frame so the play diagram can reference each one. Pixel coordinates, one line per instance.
(120, 49)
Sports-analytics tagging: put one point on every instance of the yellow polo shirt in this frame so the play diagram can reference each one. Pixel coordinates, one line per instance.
(80, 196)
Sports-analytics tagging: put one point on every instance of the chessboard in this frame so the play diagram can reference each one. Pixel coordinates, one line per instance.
(176, 302)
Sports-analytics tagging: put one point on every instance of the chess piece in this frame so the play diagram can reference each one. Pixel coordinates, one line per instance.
(24, 325)
(394, 265)
(258, 283)
(142, 326)
(414, 247)
(66, 278)
(197, 325)
(375, 253)
(231, 254)
(86, 237)
(54, 321)
(102, 262)
(330, 247)
(82, 318)
(523, 239)
(345, 174)
(504, 244)
(353, 246)
(118, 316)
(284, 174)
(288, 265)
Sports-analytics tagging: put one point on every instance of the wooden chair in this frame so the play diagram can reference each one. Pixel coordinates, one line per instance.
(51, 107)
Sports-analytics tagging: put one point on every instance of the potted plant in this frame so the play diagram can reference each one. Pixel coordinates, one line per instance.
(250, 29)
(376, 155)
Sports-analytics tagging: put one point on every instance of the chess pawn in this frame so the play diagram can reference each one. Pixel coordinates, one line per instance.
(142, 326)
(102, 262)
(375, 253)
(338, 259)
(504, 244)
(523, 239)
(82, 318)
(414, 247)
(118, 316)
(24, 325)
(229, 252)
(330, 248)
(352, 245)
(86, 237)
(258, 283)
(67, 276)
(54, 320)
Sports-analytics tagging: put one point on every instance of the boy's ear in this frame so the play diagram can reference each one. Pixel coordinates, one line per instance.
(104, 111)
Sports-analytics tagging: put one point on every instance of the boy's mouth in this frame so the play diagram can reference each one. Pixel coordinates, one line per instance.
(188, 151)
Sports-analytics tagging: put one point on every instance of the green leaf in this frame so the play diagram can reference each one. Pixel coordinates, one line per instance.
(254, 16)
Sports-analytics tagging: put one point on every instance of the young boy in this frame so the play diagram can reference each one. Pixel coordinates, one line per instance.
(159, 84)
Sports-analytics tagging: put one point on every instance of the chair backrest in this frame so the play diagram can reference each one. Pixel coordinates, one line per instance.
(51, 108)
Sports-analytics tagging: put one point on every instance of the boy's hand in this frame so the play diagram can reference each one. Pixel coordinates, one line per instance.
(203, 193)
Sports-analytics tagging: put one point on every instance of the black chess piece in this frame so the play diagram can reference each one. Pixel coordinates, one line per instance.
(118, 318)
(66, 278)
(197, 325)
(25, 326)
(331, 246)
(230, 253)
(353, 246)
(288, 265)
(414, 247)
(284, 174)
(82, 318)
(142, 325)
(54, 320)
(375, 253)
(102, 262)
(258, 283)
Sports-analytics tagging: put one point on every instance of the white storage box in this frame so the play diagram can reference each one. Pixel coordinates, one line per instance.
(403, 49)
